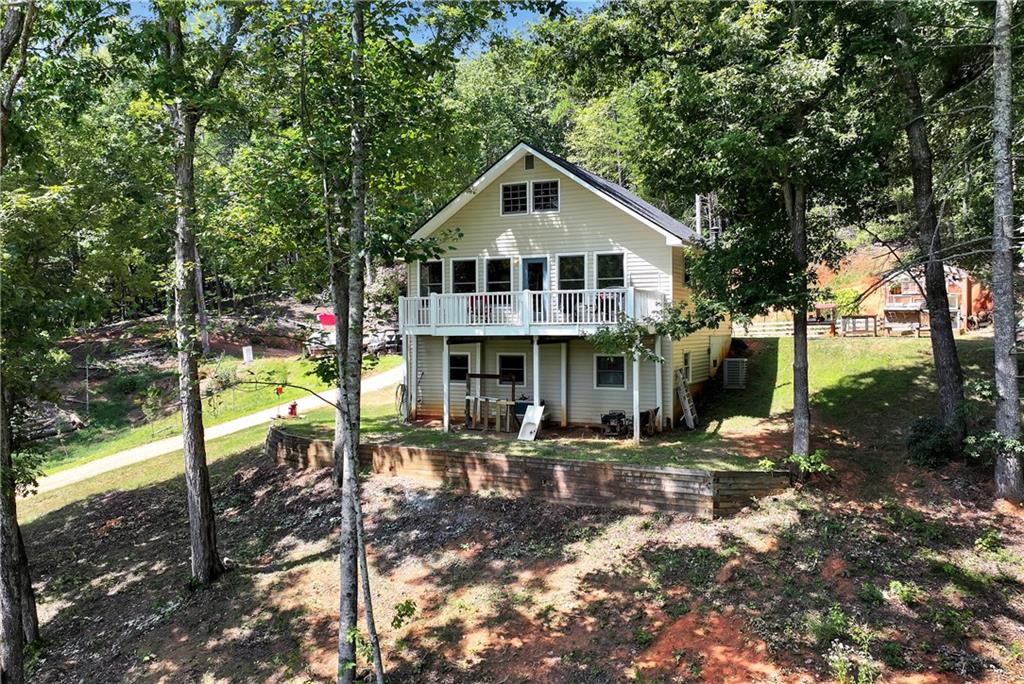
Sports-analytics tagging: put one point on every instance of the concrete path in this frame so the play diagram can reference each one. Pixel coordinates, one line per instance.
(172, 444)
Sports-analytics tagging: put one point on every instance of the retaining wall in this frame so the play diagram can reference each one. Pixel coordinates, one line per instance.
(700, 493)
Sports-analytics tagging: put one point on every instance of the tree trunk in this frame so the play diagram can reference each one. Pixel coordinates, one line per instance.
(796, 209)
(349, 402)
(12, 638)
(206, 562)
(1008, 477)
(948, 374)
(204, 321)
(29, 615)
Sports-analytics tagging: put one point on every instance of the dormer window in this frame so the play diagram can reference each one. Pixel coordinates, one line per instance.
(545, 195)
(514, 199)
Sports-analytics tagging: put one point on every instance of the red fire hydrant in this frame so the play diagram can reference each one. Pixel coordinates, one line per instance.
(293, 409)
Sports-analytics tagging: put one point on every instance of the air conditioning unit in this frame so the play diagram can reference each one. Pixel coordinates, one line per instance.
(734, 374)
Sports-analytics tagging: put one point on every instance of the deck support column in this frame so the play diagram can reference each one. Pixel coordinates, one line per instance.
(477, 360)
(659, 400)
(563, 391)
(410, 360)
(446, 385)
(536, 372)
(636, 400)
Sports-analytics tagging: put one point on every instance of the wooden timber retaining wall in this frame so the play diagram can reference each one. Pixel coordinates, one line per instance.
(702, 493)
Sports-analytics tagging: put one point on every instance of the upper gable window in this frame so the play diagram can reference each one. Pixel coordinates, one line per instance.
(514, 199)
(545, 195)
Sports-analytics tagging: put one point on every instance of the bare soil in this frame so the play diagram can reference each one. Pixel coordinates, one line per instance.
(521, 591)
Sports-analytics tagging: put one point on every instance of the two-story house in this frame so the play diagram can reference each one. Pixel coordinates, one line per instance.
(545, 254)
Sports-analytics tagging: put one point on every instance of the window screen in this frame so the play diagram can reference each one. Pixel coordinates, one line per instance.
(514, 365)
(464, 276)
(430, 278)
(499, 275)
(611, 271)
(458, 367)
(571, 273)
(513, 198)
(610, 371)
(545, 195)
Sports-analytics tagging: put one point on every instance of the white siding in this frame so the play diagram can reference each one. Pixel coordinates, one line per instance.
(585, 223)
(586, 403)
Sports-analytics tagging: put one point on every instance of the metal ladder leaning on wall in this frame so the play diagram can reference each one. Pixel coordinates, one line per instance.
(686, 400)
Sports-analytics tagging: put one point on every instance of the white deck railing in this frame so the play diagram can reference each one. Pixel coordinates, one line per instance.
(526, 310)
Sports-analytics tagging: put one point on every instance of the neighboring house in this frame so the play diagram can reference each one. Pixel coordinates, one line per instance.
(902, 306)
(545, 254)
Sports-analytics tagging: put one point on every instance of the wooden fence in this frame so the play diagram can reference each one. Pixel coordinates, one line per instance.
(849, 326)
(700, 493)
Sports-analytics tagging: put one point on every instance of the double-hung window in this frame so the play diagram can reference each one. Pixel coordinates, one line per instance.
(545, 195)
(512, 367)
(611, 270)
(431, 281)
(514, 199)
(499, 275)
(463, 275)
(458, 367)
(572, 272)
(609, 372)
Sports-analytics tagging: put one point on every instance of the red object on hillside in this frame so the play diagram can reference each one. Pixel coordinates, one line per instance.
(293, 409)
(326, 320)
(279, 390)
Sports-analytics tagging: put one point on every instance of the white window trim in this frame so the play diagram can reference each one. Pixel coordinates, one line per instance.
(546, 211)
(469, 364)
(419, 276)
(558, 265)
(501, 199)
(688, 366)
(511, 273)
(497, 367)
(625, 374)
(476, 272)
(625, 268)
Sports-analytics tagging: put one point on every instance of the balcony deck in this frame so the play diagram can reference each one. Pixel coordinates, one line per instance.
(546, 312)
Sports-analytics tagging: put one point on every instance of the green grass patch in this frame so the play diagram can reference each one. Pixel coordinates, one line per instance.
(110, 430)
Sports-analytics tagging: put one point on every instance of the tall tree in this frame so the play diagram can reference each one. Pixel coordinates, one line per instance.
(1009, 479)
(948, 373)
(189, 95)
(352, 370)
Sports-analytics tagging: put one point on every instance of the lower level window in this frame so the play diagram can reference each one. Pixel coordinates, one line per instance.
(610, 372)
(687, 367)
(512, 367)
(458, 367)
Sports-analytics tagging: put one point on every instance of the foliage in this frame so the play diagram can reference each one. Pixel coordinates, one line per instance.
(847, 301)
(808, 464)
(984, 448)
(851, 666)
(931, 443)
(404, 611)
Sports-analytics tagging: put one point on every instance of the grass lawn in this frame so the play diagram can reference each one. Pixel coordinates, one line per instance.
(864, 391)
(111, 431)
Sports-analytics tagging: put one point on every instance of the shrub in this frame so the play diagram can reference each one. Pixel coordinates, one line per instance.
(870, 594)
(849, 666)
(906, 593)
(828, 627)
(931, 444)
(991, 541)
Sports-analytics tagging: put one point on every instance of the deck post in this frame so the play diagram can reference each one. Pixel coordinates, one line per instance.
(446, 384)
(478, 357)
(563, 386)
(636, 400)
(411, 354)
(536, 372)
(659, 400)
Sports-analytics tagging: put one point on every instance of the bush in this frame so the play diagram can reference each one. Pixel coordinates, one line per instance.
(931, 444)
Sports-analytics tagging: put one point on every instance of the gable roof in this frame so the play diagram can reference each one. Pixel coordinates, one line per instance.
(675, 232)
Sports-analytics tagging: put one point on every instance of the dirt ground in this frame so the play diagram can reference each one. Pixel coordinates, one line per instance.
(891, 571)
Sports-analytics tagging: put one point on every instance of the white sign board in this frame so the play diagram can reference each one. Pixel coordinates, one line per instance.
(247, 354)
